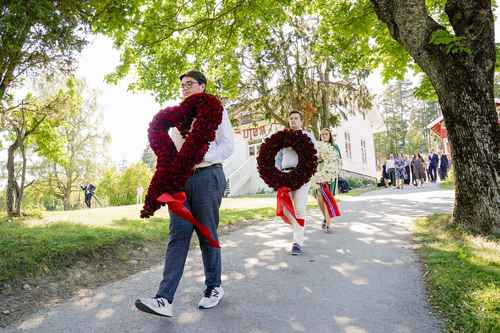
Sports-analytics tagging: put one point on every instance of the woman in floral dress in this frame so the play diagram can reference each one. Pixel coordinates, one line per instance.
(327, 172)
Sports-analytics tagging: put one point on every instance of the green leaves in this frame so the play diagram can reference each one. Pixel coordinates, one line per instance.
(453, 44)
(425, 91)
(120, 187)
(38, 35)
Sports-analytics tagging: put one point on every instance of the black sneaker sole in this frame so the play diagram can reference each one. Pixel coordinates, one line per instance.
(141, 307)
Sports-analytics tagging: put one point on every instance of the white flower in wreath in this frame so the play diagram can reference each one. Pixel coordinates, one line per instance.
(328, 166)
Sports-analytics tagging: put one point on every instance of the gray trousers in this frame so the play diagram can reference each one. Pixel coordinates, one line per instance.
(204, 191)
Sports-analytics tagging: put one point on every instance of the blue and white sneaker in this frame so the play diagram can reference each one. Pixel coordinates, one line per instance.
(158, 306)
(211, 298)
(296, 250)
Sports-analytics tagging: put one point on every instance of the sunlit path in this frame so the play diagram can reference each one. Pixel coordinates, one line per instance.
(364, 277)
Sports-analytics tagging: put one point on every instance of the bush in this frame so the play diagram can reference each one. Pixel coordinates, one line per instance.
(355, 182)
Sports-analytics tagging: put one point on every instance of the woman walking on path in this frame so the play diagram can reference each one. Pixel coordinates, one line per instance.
(444, 166)
(416, 170)
(391, 169)
(400, 171)
(408, 170)
(328, 169)
(423, 169)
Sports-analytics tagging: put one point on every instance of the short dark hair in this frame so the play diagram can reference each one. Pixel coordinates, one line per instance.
(297, 112)
(197, 75)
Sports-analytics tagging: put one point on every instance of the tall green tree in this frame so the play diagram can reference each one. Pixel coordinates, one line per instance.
(46, 35)
(31, 123)
(290, 73)
(35, 35)
(148, 157)
(84, 148)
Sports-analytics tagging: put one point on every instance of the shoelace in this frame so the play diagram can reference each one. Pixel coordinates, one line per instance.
(161, 301)
(209, 292)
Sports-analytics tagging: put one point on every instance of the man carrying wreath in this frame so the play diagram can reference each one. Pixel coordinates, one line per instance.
(204, 191)
(286, 160)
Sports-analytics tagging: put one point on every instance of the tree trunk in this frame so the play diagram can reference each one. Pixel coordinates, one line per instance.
(20, 190)
(471, 121)
(67, 194)
(464, 83)
(11, 178)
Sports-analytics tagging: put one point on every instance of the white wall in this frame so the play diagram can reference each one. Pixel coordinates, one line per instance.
(358, 129)
(233, 169)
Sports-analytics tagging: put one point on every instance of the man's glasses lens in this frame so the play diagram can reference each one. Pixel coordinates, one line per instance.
(188, 84)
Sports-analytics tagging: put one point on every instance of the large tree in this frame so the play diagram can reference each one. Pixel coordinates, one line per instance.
(452, 42)
(46, 34)
(461, 66)
(289, 73)
(30, 124)
(84, 144)
(37, 34)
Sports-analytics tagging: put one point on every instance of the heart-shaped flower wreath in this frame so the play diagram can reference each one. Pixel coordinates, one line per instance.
(174, 168)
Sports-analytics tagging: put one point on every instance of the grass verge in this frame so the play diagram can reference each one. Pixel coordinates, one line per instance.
(463, 275)
(26, 251)
(449, 184)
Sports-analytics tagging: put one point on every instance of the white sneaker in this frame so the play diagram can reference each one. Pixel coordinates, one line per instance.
(158, 306)
(211, 298)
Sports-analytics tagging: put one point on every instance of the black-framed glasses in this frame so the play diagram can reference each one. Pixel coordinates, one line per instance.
(188, 84)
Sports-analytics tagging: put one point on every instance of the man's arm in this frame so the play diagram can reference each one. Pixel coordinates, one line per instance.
(278, 160)
(223, 146)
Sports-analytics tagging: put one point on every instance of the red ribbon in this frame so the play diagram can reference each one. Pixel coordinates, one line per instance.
(329, 200)
(175, 203)
(284, 202)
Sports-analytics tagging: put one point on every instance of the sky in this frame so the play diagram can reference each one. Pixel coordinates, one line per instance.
(126, 115)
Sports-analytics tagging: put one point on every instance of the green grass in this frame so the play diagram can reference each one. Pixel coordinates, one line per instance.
(27, 251)
(358, 191)
(463, 275)
(449, 184)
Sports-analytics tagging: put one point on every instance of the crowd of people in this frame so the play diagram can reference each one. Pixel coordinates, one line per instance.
(400, 170)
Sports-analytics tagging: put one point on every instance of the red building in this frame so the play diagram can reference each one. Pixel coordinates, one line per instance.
(438, 128)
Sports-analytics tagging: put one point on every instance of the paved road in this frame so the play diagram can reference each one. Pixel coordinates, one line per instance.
(364, 277)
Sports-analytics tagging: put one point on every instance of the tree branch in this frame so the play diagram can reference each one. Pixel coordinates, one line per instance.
(474, 21)
(408, 22)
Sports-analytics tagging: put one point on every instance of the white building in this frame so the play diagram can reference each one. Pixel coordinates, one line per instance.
(354, 137)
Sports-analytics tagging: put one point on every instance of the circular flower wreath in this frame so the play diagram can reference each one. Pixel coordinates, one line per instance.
(308, 161)
(174, 168)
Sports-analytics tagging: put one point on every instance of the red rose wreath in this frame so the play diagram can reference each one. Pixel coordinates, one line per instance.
(285, 182)
(174, 168)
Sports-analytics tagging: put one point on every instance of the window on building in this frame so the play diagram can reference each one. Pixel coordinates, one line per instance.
(246, 119)
(251, 150)
(348, 149)
(363, 152)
